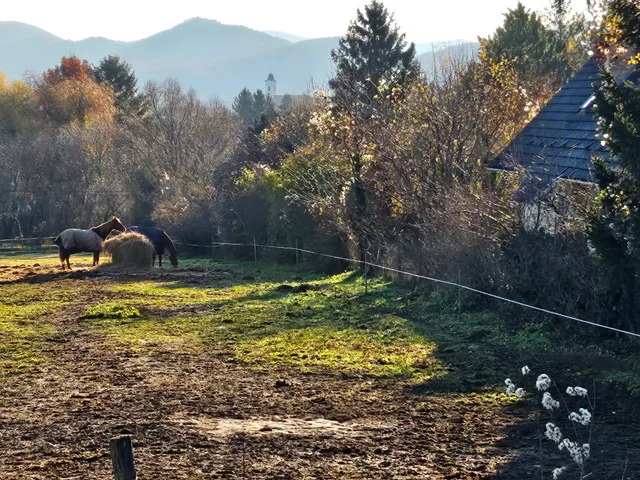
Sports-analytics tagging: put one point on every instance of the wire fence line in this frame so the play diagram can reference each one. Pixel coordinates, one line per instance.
(423, 277)
(25, 239)
(366, 263)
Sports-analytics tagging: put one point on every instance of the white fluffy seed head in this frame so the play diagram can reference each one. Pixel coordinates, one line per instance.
(543, 382)
(581, 392)
(548, 402)
(557, 472)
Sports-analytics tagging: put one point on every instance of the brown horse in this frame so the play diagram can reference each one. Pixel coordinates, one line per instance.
(74, 240)
(160, 241)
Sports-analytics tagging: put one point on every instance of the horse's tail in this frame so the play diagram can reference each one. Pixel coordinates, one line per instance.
(58, 241)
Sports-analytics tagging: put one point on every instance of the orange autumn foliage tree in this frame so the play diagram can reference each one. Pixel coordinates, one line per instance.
(68, 94)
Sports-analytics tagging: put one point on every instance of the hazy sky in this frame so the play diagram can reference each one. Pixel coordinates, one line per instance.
(421, 20)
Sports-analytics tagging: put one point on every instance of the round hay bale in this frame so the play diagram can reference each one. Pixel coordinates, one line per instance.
(130, 249)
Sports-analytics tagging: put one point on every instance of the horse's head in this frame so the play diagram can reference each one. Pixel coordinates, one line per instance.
(173, 258)
(116, 224)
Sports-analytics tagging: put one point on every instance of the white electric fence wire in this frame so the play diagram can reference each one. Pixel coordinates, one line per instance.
(388, 269)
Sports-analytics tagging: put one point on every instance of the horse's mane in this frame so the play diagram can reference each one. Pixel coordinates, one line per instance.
(108, 221)
(99, 228)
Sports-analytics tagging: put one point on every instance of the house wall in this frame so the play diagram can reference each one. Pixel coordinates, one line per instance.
(538, 216)
(564, 208)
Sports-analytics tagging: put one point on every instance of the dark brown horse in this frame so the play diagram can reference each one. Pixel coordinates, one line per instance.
(160, 241)
(74, 240)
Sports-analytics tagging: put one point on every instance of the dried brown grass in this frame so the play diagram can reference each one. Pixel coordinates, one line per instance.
(130, 250)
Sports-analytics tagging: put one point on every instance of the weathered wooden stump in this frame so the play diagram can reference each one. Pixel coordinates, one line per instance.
(122, 458)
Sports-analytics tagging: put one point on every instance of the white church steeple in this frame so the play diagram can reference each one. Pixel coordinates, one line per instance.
(270, 85)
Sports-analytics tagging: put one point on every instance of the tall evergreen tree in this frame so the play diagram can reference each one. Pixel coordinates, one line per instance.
(270, 109)
(539, 55)
(243, 106)
(559, 15)
(286, 102)
(259, 103)
(614, 227)
(122, 79)
(373, 51)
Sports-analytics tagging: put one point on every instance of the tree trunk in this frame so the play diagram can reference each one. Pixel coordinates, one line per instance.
(360, 211)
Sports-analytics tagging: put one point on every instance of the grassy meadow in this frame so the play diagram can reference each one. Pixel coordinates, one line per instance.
(405, 343)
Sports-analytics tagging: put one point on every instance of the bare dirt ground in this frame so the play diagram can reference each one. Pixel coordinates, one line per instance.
(207, 415)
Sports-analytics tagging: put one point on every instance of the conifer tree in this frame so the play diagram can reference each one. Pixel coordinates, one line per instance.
(372, 54)
(243, 106)
(259, 103)
(269, 109)
(119, 75)
(286, 102)
(539, 53)
(614, 225)
(372, 51)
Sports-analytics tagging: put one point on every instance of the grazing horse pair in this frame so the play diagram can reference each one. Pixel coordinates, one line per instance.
(74, 240)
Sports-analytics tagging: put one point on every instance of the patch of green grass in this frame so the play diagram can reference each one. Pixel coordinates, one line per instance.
(44, 256)
(332, 326)
(22, 330)
(348, 350)
(149, 334)
(329, 326)
(112, 310)
(481, 349)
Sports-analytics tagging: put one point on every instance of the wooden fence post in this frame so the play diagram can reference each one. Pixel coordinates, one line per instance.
(297, 264)
(459, 294)
(213, 240)
(122, 458)
(366, 282)
(255, 252)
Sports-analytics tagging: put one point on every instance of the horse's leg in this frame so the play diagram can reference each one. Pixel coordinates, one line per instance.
(153, 259)
(68, 264)
(96, 258)
(61, 255)
(160, 261)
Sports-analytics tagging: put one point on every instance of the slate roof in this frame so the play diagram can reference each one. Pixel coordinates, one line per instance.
(560, 141)
(270, 78)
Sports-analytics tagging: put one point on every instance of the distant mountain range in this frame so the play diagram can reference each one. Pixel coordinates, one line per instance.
(286, 36)
(215, 59)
